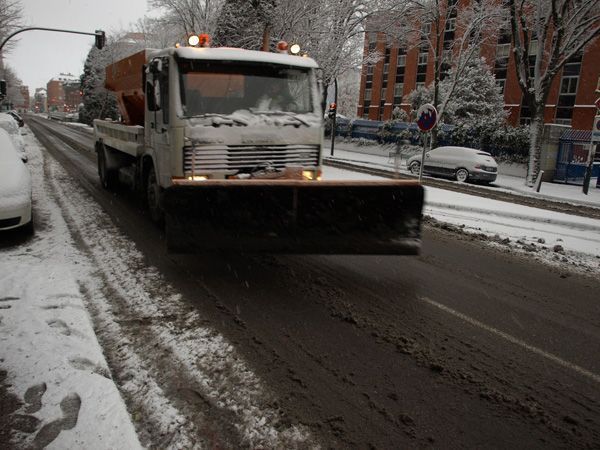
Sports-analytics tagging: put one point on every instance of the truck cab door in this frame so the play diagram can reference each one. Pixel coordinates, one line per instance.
(157, 93)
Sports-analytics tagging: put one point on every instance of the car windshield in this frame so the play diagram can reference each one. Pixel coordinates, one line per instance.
(211, 87)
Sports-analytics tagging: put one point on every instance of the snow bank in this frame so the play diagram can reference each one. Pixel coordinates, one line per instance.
(48, 346)
(15, 182)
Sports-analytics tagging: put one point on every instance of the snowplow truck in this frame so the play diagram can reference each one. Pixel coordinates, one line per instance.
(225, 146)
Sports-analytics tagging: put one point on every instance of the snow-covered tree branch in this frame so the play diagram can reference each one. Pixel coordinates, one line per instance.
(451, 37)
(556, 31)
(189, 16)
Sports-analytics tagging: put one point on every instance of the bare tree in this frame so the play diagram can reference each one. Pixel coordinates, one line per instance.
(330, 31)
(11, 16)
(159, 32)
(547, 34)
(190, 16)
(10, 19)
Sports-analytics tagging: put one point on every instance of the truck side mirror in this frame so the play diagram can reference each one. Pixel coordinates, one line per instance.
(2, 88)
(151, 96)
(156, 66)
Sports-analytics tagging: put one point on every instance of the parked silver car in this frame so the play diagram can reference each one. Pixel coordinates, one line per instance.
(15, 187)
(460, 163)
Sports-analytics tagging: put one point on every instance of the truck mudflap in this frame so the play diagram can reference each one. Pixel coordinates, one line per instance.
(290, 216)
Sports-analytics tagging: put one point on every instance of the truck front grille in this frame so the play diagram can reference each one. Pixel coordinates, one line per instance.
(234, 158)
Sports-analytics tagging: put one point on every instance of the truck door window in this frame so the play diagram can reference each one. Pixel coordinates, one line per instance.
(151, 96)
(164, 90)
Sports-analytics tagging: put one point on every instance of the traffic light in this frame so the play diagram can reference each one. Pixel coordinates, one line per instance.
(100, 39)
(332, 110)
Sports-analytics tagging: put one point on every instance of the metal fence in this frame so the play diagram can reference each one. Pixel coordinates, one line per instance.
(573, 151)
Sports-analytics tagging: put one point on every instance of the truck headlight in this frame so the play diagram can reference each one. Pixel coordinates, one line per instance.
(311, 174)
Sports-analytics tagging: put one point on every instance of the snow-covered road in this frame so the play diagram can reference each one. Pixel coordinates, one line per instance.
(79, 264)
(80, 278)
(525, 229)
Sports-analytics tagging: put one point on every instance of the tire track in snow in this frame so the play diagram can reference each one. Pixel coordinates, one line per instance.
(196, 354)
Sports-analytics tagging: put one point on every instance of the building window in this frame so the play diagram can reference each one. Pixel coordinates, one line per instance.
(525, 114)
(420, 84)
(398, 90)
(447, 55)
(367, 94)
(533, 47)
(568, 85)
(369, 70)
(423, 58)
(382, 98)
(568, 89)
(401, 60)
(502, 51)
(502, 84)
(562, 121)
(386, 68)
(450, 24)
(426, 29)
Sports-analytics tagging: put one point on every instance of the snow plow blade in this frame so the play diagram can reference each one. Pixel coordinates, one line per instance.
(289, 216)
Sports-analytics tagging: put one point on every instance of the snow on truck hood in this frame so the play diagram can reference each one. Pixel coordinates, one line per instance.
(15, 182)
(237, 54)
(260, 129)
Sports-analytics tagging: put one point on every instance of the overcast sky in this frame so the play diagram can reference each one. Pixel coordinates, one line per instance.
(41, 55)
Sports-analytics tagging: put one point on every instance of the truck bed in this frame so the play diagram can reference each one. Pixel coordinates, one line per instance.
(126, 138)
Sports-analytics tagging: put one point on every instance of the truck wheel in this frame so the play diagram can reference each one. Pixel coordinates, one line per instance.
(153, 198)
(108, 178)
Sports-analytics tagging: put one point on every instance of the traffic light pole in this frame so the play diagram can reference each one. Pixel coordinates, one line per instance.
(99, 34)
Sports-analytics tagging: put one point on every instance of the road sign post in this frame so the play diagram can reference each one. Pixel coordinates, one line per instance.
(427, 117)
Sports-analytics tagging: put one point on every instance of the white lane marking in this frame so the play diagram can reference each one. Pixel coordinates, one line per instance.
(561, 362)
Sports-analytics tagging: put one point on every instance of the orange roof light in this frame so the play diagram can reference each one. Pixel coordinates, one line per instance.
(282, 47)
(204, 40)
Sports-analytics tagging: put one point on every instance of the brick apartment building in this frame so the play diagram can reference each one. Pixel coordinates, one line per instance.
(386, 84)
(64, 93)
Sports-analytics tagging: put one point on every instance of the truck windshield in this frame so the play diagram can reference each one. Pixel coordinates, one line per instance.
(217, 87)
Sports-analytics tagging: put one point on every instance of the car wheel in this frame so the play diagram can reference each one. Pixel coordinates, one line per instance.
(153, 198)
(28, 228)
(462, 175)
(415, 167)
(108, 178)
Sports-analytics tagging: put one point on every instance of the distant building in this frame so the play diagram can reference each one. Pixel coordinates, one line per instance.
(64, 93)
(386, 84)
(21, 102)
(39, 100)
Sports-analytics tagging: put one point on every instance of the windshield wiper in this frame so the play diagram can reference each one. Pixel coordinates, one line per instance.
(290, 114)
(224, 117)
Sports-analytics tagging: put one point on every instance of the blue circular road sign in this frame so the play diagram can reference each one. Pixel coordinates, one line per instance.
(427, 117)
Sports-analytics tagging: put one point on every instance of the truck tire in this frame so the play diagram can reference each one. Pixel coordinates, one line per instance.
(109, 178)
(153, 198)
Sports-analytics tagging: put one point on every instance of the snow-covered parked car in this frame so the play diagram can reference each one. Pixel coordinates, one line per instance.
(15, 187)
(460, 163)
(17, 117)
(9, 124)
